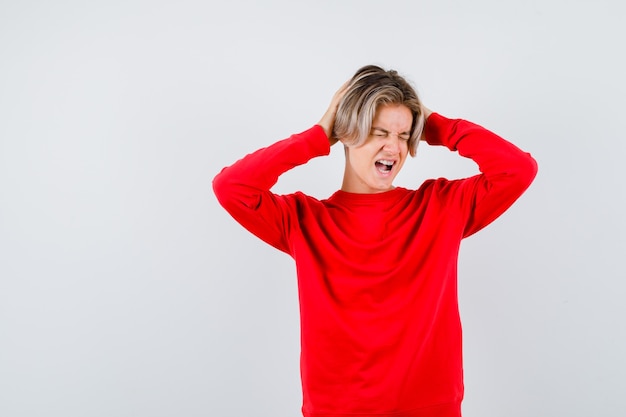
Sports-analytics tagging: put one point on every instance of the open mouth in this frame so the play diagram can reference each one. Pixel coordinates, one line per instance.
(384, 166)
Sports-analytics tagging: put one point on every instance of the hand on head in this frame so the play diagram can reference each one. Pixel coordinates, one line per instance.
(328, 119)
(427, 113)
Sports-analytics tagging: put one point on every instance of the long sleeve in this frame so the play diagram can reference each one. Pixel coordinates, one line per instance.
(243, 188)
(506, 170)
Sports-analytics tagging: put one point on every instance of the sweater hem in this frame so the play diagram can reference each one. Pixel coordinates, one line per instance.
(438, 410)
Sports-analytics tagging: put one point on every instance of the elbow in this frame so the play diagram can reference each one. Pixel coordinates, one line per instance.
(526, 171)
(530, 168)
(233, 194)
(221, 188)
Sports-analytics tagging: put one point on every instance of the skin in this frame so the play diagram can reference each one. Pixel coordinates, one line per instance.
(388, 141)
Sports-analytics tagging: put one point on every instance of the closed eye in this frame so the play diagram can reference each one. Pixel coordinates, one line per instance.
(379, 133)
(382, 133)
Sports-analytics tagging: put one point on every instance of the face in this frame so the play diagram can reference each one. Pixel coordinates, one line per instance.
(372, 166)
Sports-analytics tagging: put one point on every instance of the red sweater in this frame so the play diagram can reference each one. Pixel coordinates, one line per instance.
(377, 273)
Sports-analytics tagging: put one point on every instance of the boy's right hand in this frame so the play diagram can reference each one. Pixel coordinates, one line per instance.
(328, 119)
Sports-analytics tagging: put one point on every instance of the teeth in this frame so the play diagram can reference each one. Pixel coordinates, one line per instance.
(386, 162)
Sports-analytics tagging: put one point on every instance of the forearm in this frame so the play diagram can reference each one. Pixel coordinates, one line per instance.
(494, 155)
(506, 170)
(243, 188)
(255, 174)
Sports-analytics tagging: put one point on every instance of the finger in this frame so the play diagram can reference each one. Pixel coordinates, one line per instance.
(339, 94)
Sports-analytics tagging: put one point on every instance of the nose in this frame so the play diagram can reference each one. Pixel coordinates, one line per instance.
(393, 143)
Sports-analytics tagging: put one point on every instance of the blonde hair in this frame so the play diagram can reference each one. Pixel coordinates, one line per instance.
(370, 87)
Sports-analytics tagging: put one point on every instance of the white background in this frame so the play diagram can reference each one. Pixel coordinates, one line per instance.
(125, 290)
